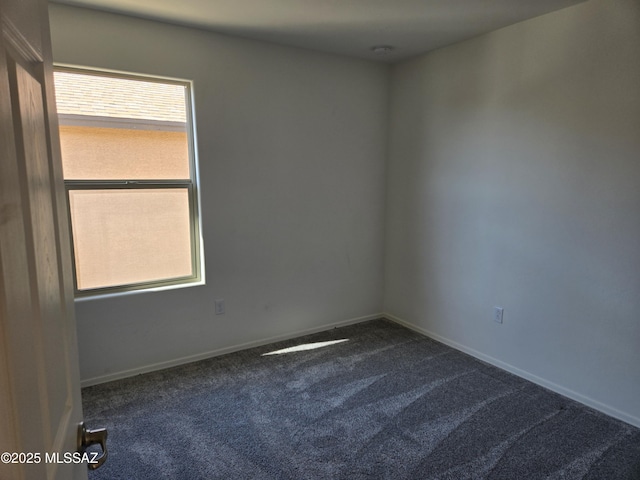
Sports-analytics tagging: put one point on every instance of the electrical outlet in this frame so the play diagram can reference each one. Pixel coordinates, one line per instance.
(497, 314)
(219, 306)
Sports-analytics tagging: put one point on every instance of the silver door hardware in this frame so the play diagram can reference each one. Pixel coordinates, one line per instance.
(88, 437)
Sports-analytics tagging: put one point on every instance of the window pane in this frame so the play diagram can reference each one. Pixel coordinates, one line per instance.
(115, 128)
(123, 237)
(95, 153)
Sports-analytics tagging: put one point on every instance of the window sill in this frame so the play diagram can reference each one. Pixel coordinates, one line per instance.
(160, 288)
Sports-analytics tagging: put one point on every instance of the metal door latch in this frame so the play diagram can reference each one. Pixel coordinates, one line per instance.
(88, 437)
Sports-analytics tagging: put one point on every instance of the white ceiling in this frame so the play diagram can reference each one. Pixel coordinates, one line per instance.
(348, 27)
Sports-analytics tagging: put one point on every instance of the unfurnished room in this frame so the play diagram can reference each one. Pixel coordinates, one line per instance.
(320, 240)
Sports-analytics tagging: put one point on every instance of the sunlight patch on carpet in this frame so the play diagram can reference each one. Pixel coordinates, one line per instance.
(306, 346)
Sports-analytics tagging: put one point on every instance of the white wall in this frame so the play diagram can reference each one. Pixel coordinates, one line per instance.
(514, 180)
(292, 154)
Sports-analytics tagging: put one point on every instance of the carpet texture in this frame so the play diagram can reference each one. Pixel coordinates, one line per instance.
(383, 403)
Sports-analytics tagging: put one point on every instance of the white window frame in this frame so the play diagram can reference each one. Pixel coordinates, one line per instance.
(192, 184)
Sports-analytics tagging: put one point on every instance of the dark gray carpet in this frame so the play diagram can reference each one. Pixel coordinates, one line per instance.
(387, 403)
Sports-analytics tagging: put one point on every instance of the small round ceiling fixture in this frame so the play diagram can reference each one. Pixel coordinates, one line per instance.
(382, 49)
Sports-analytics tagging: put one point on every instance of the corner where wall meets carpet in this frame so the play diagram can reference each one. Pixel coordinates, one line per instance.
(373, 400)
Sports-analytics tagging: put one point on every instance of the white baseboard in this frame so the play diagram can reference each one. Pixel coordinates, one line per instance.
(221, 351)
(585, 400)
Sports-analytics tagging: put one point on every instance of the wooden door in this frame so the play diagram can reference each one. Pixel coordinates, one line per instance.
(39, 381)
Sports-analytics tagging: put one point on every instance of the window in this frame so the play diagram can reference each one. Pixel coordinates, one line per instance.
(129, 166)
